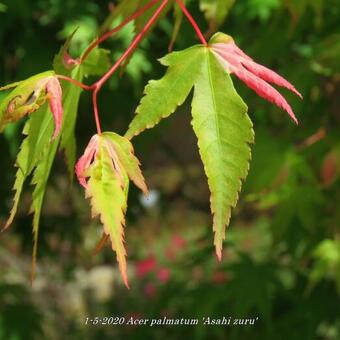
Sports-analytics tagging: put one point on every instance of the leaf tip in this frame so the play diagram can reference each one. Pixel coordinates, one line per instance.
(219, 252)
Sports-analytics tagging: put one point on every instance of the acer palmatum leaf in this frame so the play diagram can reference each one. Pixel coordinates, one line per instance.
(104, 170)
(254, 75)
(29, 95)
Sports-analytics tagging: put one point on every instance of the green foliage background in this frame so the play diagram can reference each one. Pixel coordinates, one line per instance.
(282, 255)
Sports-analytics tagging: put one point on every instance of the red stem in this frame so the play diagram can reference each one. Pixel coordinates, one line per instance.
(95, 110)
(133, 45)
(192, 21)
(75, 82)
(116, 29)
(98, 85)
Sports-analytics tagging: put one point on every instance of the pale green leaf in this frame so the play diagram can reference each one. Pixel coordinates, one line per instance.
(40, 178)
(163, 96)
(71, 96)
(24, 98)
(109, 201)
(224, 132)
(38, 131)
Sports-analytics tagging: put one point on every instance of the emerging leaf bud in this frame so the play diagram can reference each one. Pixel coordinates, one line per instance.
(29, 95)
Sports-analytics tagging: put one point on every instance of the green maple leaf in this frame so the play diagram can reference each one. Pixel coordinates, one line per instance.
(224, 132)
(163, 96)
(38, 130)
(124, 150)
(104, 170)
(220, 122)
(109, 201)
(39, 180)
(38, 150)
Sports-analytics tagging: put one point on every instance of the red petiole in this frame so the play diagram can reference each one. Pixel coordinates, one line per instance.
(117, 29)
(192, 21)
(99, 84)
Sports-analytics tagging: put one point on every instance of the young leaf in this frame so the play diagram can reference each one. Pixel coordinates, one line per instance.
(163, 96)
(125, 153)
(54, 91)
(29, 95)
(109, 201)
(104, 170)
(224, 132)
(23, 99)
(254, 75)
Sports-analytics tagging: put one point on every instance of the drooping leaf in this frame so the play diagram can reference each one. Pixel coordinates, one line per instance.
(26, 97)
(224, 132)
(70, 103)
(109, 201)
(254, 75)
(37, 153)
(163, 96)
(38, 132)
(54, 92)
(39, 180)
(104, 170)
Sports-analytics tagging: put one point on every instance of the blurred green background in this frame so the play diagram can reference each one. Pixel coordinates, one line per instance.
(282, 255)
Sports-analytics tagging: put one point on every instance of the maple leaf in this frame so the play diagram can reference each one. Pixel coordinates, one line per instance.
(220, 122)
(104, 171)
(29, 95)
(254, 75)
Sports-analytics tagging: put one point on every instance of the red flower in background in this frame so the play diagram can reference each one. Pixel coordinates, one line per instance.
(145, 266)
(163, 275)
(150, 290)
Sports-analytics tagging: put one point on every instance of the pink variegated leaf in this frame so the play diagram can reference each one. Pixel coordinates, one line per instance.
(54, 91)
(104, 170)
(269, 75)
(259, 70)
(86, 159)
(69, 62)
(264, 90)
(254, 75)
